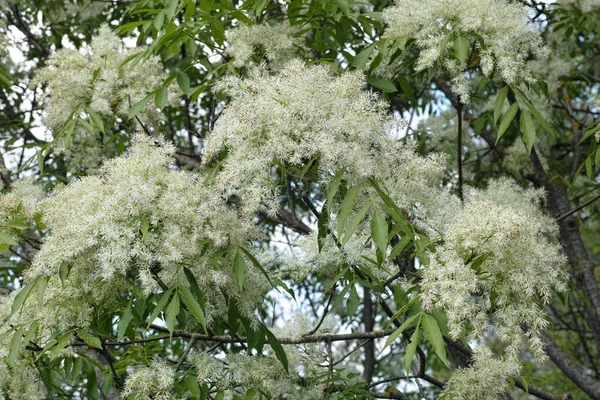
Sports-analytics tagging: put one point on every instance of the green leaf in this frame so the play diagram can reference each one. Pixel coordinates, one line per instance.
(411, 349)
(434, 334)
(507, 119)
(401, 311)
(499, 103)
(398, 332)
(21, 297)
(354, 222)
(385, 85)
(160, 98)
(159, 20)
(61, 343)
(92, 384)
(195, 288)
(277, 348)
(206, 5)
(40, 287)
(346, 207)
(15, 346)
(30, 332)
(379, 231)
(534, 111)
(193, 306)
(125, 319)
(461, 48)
(588, 168)
(334, 185)
(89, 339)
(8, 239)
(183, 80)
(353, 301)
(256, 263)
(400, 246)
(137, 107)
(239, 269)
(172, 312)
(528, 130)
(160, 306)
(171, 8)
(360, 60)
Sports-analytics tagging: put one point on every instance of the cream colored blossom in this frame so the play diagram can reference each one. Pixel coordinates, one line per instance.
(496, 265)
(486, 379)
(140, 216)
(96, 79)
(497, 29)
(155, 381)
(276, 42)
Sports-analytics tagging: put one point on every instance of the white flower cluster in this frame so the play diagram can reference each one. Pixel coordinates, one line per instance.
(305, 115)
(497, 29)
(497, 260)
(143, 218)
(97, 79)
(266, 374)
(486, 379)
(155, 382)
(277, 43)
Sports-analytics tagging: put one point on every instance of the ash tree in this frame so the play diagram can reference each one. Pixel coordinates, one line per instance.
(299, 199)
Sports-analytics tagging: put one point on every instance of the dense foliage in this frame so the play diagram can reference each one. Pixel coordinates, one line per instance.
(299, 199)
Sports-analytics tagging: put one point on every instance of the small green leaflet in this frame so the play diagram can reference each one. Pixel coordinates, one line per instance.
(7, 239)
(360, 60)
(125, 319)
(15, 346)
(160, 306)
(527, 130)
(137, 107)
(434, 334)
(507, 119)
(277, 348)
(172, 312)
(346, 207)
(379, 231)
(461, 48)
(239, 269)
(385, 85)
(160, 98)
(89, 339)
(354, 222)
(21, 297)
(183, 80)
(411, 349)
(499, 103)
(398, 332)
(61, 343)
(193, 306)
(334, 185)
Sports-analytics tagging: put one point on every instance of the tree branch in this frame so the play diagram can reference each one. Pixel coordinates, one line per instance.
(332, 337)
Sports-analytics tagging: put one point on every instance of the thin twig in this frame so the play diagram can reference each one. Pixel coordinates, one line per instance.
(573, 211)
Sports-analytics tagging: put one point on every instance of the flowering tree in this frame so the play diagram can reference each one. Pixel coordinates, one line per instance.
(299, 199)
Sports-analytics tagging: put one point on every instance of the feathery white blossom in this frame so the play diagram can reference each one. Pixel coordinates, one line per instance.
(497, 29)
(277, 42)
(305, 114)
(485, 379)
(140, 216)
(494, 264)
(97, 79)
(155, 381)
